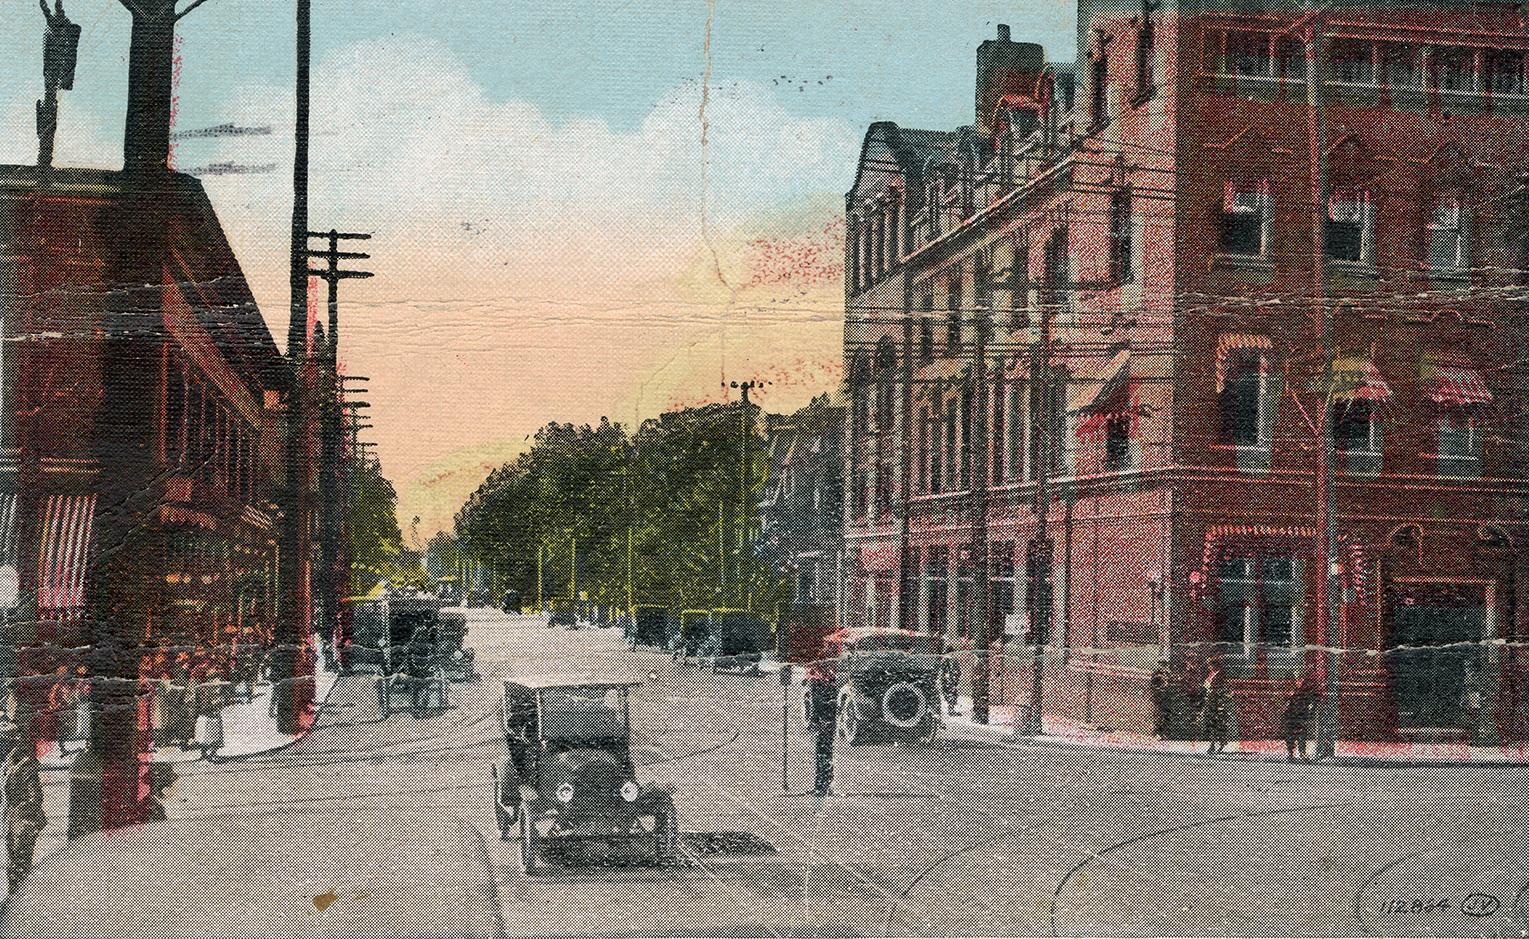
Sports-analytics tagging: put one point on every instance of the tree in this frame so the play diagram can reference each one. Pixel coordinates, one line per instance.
(375, 540)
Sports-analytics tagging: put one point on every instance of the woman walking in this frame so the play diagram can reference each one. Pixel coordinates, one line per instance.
(1214, 708)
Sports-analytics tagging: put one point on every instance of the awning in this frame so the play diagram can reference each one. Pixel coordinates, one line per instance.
(1454, 385)
(64, 552)
(1232, 341)
(1090, 390)
(1356, 378)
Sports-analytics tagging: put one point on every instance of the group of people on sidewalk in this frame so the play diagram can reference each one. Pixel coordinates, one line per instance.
(1298, 720)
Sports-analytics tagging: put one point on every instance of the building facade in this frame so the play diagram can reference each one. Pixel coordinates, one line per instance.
(143, 398)
(800, 515)
(1206, 361)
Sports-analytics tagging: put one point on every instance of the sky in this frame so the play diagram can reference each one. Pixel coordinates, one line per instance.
(564, 226)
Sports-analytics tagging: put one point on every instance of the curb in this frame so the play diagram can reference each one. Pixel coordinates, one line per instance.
(1005, 738)
(215, 759)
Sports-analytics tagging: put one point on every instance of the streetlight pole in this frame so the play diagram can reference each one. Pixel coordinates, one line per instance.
(978, 494)
(1038, 558)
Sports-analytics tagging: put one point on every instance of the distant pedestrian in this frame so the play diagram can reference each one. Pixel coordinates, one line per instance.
(1162, 700)
(1300, 708)
(1215, 709)
(24, 816)
(950, 681)
(824, 698)
(209, 713)
(1470, 700)
(82, 713)
(161, 777)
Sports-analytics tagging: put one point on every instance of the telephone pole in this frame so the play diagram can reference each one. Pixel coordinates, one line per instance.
(741, 596)
(1038, 555)
(978, 448)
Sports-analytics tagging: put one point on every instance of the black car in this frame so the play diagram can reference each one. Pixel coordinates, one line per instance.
(886, 682)
(569, 785)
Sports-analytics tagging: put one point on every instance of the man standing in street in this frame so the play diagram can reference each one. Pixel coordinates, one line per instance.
(823, 691)
(24, 816)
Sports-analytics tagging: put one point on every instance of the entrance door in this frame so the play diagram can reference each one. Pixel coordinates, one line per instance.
(1436, 641)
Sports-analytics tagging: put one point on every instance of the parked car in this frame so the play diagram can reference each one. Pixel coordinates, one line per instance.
(737, 640)
(569, 786)
(510, 602)
(650, 625)
(694, 628)
(480, 597)
(886, 682)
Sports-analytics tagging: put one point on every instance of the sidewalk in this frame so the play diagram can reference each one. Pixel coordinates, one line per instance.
(1063, 733)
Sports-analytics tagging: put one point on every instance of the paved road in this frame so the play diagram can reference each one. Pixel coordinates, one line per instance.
(391, 822)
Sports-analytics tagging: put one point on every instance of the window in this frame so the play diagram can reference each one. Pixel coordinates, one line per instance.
(175, 413)
(1453, 69)
(982, 279)
(965, 481)
(1245, 218)
(1459, 443)
(1505, 72)
(1058, 272)
(953, 302)
(1446, 236)
(1292, 58)
(1014, 431)
(1247, 54)
(1000, 399)
(1356, 435)
(1001, 566)
(1350, 226)
(1399, 65)
(1350, 61)
(1257, 603)
(1122, 268)
(1146, 53)
(1117, 442)
(1243, 388)
(936, 572)
(949, 481)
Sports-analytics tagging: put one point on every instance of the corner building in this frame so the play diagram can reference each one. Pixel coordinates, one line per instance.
(1105, 346)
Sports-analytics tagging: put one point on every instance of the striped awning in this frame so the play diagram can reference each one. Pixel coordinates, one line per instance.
(1454, 385)
(1356, 378)
(64, 552)
(1234, 341)
(8, 574)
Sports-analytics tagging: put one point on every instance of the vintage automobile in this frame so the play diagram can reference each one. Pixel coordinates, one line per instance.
(691, 633)
(456, 658)
(569, 785)
(887, 683)
(737, 640)
(650, 625)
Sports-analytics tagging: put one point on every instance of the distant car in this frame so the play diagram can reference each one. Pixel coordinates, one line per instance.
(569, 784)
(563, 615)
(736, 640)
(480, 598)
(510, 602)
(886, 683)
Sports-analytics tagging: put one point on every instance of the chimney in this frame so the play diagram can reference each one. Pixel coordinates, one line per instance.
(1005, 67)
(150, 65)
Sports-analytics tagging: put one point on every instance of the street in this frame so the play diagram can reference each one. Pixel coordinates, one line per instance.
(386, 828)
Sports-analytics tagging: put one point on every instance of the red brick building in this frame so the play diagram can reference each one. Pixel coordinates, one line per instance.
(1095, 342)
(143, 396)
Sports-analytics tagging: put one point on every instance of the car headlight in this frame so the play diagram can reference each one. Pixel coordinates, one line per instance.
(630, 790)
(528, 793)
(457, 655)
(565, 792)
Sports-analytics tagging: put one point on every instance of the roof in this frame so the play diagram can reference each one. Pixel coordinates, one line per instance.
(198, 253)
(910, 147)
(543, 682)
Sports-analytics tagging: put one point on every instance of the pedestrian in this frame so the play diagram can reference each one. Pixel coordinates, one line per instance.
(58, 726)
(1300, 707)
(82, 715)
(1214, 707)
(824, 692)
(1470, 701)
(24, 816)
(209, 714)
(1162, 700)
(161, 777)
(950, 680)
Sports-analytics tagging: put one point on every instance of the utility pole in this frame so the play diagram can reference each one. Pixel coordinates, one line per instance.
(977, 444)
(1038, 554)
(741, 597)
(291, 624)
(1322, 310)
(331, 516)
(906, 616)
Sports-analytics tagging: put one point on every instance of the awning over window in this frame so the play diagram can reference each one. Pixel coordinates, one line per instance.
(64, 552)
(1229, 342)
(1356, 379)
(1454, 385)
(1092, 389)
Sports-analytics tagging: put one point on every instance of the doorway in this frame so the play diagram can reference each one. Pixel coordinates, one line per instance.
(1436, 653)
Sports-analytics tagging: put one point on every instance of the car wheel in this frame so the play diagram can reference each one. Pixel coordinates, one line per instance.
(528, 847)
(850, 726)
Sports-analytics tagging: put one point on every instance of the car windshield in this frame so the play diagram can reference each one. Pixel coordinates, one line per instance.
(583, 713)
(927, 645)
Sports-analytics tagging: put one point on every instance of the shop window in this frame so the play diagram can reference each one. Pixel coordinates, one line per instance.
(1258, 602)
(1453, 69)
(1399, 65)
(1350, 227)
(1245, 218)
(1247, 54)
(936, 572)
(1505, 72)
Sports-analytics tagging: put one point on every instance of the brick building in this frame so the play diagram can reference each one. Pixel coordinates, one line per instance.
(142, 405)
(1095, 342)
